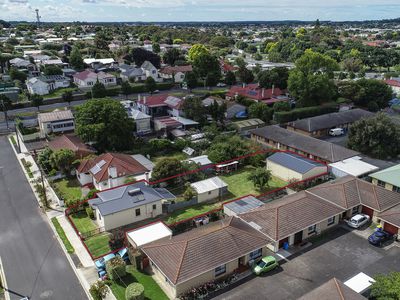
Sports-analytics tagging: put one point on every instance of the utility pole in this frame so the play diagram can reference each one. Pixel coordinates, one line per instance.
(17, 136)
(37, 17)
(46, 204)
(5, 112)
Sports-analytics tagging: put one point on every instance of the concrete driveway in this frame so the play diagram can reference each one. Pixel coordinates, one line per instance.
(342, 254)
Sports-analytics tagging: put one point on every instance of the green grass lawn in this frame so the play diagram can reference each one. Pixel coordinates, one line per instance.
(190, 212)
(98, 244)
(68, 189)
(59, 92)
(151, 289)
(13, 140)
(62, 235)
(177, 155)
(82, 222)
(239, 185)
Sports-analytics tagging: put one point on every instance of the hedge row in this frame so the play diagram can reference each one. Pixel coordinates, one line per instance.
(135, 89)
(305, 112)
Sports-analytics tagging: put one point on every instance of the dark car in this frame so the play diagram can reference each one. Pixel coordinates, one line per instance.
(379, 237)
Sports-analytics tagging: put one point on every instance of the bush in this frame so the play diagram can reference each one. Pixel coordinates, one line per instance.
(91, 194)
(90, 212)
(134, 291)
(115, 268)
(305, 112)
(98, 290)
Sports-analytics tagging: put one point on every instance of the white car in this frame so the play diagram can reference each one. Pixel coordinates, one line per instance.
(358, 220)
(221, 84)
(336, 131)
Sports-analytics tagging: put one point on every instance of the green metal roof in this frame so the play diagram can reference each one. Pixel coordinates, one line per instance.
(390, 175)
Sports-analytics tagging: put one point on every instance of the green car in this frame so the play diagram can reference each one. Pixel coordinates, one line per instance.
(266, 264)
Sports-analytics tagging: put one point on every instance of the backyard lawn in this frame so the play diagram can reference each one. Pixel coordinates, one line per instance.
(239, 185)
(98, 244)
(59, 92)
(68, 189)
(190, 212)
(177, 155)
(151, 289)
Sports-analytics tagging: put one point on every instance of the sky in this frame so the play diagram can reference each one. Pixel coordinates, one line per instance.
(198, 10)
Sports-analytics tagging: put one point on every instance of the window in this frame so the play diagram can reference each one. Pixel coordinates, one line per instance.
(331, 221)
(220, 270)
(312, 229)
(154, 206)
(137, 212)
(99, 216)
(255, 254)
(381, 183)
(354, 210)
(396, 189)
(209, 192)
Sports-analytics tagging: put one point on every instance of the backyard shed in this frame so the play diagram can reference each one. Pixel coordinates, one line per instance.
(209, 189)
(148, 234)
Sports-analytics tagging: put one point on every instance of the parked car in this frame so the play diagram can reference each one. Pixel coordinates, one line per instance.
(379, 237)
(221, 84)
(266, 264)
(336, 131)
(358, 220)
(123, 253)
(101, 263)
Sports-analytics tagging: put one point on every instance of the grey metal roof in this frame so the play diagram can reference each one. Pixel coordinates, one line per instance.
(127, 197)
(294, 162)
(144, 161)
(331, 120)
(244, 204)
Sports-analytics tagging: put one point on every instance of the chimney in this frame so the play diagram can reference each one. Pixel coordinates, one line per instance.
(147, 177)
(144, 99)
(273, 89)
(138, 99)
(112, 173)
(262, 92)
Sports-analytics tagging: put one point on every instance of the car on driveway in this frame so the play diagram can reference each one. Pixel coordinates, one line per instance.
(101, 263)
(379, 237)
(266, 264)
(358, 220)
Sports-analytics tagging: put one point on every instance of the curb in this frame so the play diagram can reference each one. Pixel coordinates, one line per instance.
(4, 281)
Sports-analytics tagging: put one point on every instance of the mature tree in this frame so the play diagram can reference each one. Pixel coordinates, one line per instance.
(16, 74)
(126, 88)
(172, 55)
(44, 159)
(156, 48)
(189, 193)
(212, 78)
(351, 90)
(150, 84)
(260, 177)
(62, 160)
(194, 109)
(352, 64)
(105, 122)
(230, 78)
(191, 80)
(75, 59)
(5, 106)
(197, 50)
(310, 82)
(99, 90)
(52, 70)
(101, 41)
(220, 41)
(140, 55)
(68, 97)
(276, 77)
(260, 111)
(217, 111)
(281, 106)
(228, 148)
(205, 64)
(386, 287)
(377, 137)
(37, 100)
(167, 167)
(245, 75)
(374, 91)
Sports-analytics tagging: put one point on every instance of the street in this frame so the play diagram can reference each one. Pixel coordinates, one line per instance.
(34, 263)
(341, 254)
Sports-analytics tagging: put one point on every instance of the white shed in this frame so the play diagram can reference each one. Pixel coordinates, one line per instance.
(353, 166)
(148, 234)
(209, 189)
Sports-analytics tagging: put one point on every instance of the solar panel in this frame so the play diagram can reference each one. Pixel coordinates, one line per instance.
(97, 168)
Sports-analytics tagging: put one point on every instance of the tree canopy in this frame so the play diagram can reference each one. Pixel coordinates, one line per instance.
(386, 287)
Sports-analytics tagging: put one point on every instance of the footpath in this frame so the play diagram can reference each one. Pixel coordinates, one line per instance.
(80, 260)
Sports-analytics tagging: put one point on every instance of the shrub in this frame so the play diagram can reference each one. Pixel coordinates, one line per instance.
(98, 290)
(134, 291)
(116, 268)
(91, 194)
(90, 212)
(305, 112)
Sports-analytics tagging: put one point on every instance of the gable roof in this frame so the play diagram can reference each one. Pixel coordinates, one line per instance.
(333, 289)
(321, 149)
(209, 184)
(72, 142)
(57, 115)
(176, 69)
(129, 196)
(331, 120)
(392, 215)
(147, 65)
(88, 74)
(154, 100)
(390, 175)
(125, 165)
(253, 91)
(294, 162)
(203, 249)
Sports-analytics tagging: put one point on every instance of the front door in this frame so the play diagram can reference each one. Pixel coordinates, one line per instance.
(298, 237)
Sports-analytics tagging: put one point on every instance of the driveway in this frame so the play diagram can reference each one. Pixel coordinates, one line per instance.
(342, 254)
(34, 263)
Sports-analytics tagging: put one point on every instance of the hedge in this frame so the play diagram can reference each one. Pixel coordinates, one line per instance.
(115, 268)
(305, 112)
(134, 291)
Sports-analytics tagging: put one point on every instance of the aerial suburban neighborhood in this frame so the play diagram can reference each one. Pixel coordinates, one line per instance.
(199, 160)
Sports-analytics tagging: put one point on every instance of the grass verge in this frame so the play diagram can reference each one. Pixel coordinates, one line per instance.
(62, 235)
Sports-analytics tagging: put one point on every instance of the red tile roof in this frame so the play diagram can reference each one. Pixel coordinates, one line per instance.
(154, 100)
(392, 82)
(125, 164)
(173, 70)
(253, 91)
(71, 142)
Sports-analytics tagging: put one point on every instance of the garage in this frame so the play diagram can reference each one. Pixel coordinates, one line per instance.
(390, 228)
(368, 211)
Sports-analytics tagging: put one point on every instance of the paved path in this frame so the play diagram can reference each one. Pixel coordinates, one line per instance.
(34, 263)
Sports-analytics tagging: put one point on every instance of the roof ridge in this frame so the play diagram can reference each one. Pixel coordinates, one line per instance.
(358, 192)
(218, 228)
(181, 262)
(390, 214)
(248, 233)
(345, 196)
(376, 197)
(338, 289)
(327, 200)
(277, 224)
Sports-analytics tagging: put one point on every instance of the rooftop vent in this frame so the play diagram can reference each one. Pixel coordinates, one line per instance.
(134, 192)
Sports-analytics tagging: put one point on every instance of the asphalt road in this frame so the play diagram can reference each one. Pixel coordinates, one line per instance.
(342, 255)
(34, 263)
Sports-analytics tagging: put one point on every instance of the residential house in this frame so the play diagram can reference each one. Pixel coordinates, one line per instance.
(209, 189)
(320, 125)
(290, 166)
(73, 143)
(390, 220)
(353, 166)
(150, 71)
(22, 64)
(388, 178)
(226, 67)
(131, 73)
(235, 109)
(394, 83)
(113, 169)
(176, 73)
(161, 105)
(87, 78)
(128, 204)
(204, 254)
(257, 94)
(244, 126)
(277, 137)
(45, 84)
(142, 120)
(96, 63)
(52, 62)
(147, 234)
(58, 121)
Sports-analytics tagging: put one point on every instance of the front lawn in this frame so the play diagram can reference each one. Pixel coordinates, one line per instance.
(82, 222)
(151, 289)
(68, 189)
(239, 185)
(62, 235)
(59, 92)
(191, 212)
(98, 244)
